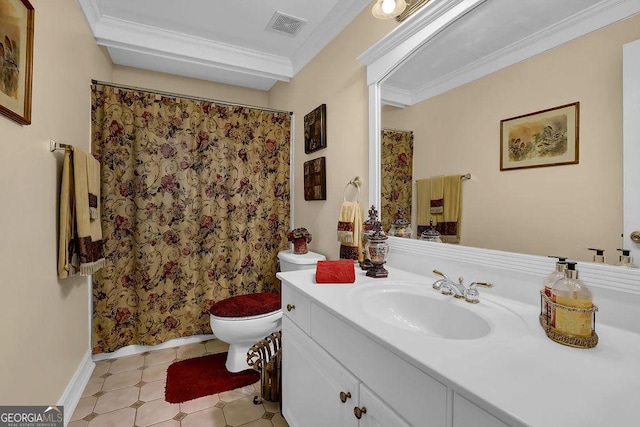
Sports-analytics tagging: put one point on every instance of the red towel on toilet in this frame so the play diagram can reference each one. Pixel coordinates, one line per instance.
(336, 271)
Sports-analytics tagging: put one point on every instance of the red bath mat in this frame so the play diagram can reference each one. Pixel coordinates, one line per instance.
(201, 376)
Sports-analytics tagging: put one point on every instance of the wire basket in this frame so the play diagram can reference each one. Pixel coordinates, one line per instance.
(561, 337)
(265, 357)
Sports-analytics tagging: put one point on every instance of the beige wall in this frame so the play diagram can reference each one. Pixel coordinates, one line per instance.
(44, 323)
(337, 79)
(560, 210)
(188, 86)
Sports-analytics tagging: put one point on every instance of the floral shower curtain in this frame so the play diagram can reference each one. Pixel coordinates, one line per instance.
(397, 175)
(195, 199)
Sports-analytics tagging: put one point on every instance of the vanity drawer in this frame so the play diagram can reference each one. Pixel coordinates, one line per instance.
(418, 397)
(295, 306)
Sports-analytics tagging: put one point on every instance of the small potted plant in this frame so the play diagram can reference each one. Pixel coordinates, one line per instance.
(299, 237)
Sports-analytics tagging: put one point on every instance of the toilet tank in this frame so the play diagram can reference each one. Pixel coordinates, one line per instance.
(290, 261)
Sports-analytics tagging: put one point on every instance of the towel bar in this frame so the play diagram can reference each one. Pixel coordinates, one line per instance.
(356, 182)
(56, 146)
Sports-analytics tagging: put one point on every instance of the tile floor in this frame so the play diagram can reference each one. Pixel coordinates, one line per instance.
(129, 391)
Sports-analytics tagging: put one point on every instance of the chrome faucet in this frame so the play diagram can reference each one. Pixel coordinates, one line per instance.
(437, 285)
(458, 290)
(472, 295)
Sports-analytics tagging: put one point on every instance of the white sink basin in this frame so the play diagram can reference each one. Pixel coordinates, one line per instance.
(422, 310)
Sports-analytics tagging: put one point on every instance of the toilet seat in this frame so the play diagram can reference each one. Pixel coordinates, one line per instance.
(237, 319)
(244, 307)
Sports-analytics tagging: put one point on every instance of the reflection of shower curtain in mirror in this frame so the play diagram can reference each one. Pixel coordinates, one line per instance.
(195, 207)
(397, 175)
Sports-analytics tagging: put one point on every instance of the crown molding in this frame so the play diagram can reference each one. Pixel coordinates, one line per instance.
(147, 47)
(578, 25)
(388, 54)
(342, 14)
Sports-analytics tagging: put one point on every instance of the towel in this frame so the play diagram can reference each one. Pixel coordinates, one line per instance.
(437, 195)
(337, 271)
(80, 248)
(349, 224)
(450, 223)
(440, 199)
(423, 208)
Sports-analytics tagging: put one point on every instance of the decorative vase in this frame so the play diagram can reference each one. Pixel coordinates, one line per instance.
(300, 246)
(378, 250)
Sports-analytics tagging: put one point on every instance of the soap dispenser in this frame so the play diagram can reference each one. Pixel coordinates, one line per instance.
(599, 256)
(572, 292)
(625, 259)
(550, 280)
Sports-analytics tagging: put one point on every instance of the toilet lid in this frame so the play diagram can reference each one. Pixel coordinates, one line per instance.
(246, 305)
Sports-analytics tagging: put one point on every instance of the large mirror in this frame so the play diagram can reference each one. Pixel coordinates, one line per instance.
(463, 67)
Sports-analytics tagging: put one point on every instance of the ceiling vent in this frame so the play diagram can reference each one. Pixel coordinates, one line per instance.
(286, 24)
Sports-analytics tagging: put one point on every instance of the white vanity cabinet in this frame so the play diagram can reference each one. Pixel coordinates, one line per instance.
(326, 361)
(466, 413)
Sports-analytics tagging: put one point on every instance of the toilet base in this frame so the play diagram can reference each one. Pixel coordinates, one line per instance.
(237, 357)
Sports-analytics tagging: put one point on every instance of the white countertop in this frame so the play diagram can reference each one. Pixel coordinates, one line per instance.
(517, 371)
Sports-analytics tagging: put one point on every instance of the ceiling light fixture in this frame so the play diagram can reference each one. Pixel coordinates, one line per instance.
(385, 9)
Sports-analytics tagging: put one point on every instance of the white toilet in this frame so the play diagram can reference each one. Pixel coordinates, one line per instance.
(243, 320)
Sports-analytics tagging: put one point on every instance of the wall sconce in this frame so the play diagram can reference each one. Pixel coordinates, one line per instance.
(385, 9)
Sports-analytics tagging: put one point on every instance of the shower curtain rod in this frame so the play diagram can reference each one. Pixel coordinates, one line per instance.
(194, 98)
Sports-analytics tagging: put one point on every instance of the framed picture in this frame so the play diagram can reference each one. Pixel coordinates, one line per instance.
(16, 59)
(544, 138)
(315, 179)
(315, 130)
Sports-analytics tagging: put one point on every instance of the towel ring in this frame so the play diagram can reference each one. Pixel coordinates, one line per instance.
(356, 182)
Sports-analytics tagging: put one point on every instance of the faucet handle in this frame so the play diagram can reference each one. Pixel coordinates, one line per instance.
(472, 295)
(482, 284)
(439, 273)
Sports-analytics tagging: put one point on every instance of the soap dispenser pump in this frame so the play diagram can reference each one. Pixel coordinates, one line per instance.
(572, 292)
(550, 280)
(625, 259)
(599, 256)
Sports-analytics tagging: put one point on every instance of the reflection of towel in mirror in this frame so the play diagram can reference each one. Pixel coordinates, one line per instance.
(80, 242)
(437, 195)
(447, 221)
(349, 224)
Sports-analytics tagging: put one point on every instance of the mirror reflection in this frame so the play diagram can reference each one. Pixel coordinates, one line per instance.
(554, 210)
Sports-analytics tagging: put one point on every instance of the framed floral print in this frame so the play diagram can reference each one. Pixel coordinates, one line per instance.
(16, 59)
(544, 138)
(315, 130)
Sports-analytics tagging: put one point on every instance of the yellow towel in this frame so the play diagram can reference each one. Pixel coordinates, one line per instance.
(447, 221)
(80, 241)
(437, 195)
(67, 257)
(349, 225)
(423, 208)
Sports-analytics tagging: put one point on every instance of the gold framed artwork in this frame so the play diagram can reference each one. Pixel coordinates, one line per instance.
(16, 59)
(315, 129)
(544, 138)
(315, 179)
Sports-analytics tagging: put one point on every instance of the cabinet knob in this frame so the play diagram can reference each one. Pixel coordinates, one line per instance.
(344, 396)
(290, 307)
(359, 411)
(635, 236)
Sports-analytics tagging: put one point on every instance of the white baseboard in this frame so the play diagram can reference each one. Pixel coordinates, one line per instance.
(130, 350)
(72, 394)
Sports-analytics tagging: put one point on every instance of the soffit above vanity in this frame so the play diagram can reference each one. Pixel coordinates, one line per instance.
(452, 42)
(231, 42)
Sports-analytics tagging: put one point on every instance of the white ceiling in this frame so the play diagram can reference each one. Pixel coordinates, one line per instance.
(491, 35)
(224, 41)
